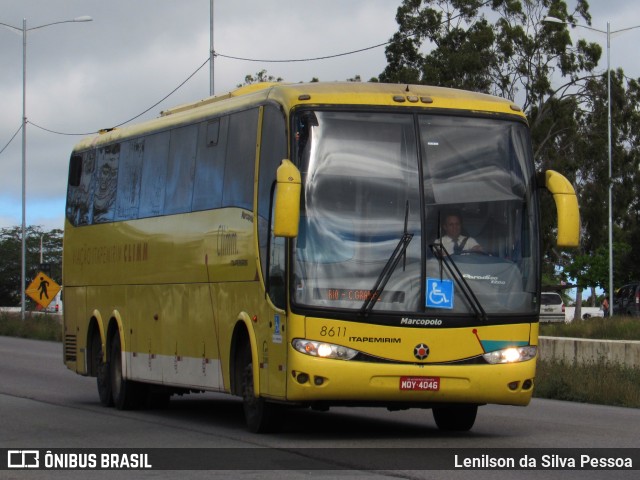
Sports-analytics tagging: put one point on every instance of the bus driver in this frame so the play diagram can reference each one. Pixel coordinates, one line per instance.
(453, 241)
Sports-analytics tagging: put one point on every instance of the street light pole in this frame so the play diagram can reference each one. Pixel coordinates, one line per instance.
(608, 33)
(24, 31)
(211, 53)
(610, 153)
(23, 257)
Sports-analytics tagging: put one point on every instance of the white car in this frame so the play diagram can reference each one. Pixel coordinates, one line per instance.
(551, 307)
(586, 312)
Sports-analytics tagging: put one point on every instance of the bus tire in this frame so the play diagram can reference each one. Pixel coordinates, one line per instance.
(260, 416)
(127, 395)
(103, 378)
(458, 418)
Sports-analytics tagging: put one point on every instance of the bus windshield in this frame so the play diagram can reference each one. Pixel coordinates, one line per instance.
(450, 196)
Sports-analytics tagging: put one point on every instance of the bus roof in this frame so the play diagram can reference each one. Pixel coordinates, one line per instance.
(329, 93)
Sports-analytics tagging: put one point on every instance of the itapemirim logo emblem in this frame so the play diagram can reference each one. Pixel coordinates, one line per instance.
(421, 351)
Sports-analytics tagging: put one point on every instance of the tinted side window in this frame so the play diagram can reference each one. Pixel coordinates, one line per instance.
(551, 299)
(104, 198)
(154, 175)
(129, 179)
(632, 292)
(180, 170)
(75, 170)
(273, 148)
(240, 160)
(80, 190)
(210, 160)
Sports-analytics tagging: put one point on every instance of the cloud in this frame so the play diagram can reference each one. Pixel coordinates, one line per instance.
(86, 76)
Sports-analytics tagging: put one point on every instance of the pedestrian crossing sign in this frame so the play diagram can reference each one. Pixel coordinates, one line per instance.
(43, 290)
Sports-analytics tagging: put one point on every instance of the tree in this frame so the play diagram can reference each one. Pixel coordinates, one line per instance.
(37, 242)
(261, 76)
(592, 182)
(515, 56)
(535, 64)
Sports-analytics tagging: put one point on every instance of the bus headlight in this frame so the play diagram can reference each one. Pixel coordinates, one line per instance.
(323, 349)
(511, 355)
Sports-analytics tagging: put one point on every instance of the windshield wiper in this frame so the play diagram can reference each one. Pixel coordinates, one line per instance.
(385, 274)
(440, 252)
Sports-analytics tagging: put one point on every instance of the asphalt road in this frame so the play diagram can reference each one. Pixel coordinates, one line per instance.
(45, 406)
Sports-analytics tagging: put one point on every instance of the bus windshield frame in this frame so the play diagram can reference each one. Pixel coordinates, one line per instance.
(378, 187)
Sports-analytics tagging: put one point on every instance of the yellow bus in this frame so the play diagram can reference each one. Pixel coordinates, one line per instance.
(285, 243)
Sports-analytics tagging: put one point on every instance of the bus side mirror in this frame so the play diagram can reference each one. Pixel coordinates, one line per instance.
(567, 206)
(287, 201)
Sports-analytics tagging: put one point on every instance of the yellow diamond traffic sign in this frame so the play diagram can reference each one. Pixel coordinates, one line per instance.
(42, 290)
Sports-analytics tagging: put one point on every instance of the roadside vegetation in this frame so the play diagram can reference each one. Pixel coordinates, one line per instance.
(36, 326)
(600, 383)
(614, 328)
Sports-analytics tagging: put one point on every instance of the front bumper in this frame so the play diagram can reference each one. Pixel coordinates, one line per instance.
(312, 379)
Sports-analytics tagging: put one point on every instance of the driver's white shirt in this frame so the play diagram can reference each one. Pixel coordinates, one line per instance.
(449, 243)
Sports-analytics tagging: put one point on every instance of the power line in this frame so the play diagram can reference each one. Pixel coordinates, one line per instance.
(231, 57)
(11, 140)
(294, 60)
(167, 96)
(58, 133)
(132, 118)
(326, 57)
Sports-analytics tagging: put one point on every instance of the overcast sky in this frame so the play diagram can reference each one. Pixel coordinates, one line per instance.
(85, 76)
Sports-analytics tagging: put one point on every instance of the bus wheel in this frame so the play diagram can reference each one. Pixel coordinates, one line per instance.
(127, 395)
(102, 373)
(260, 415)
(455, 418)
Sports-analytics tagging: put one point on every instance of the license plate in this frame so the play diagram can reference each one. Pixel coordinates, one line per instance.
(420, 383)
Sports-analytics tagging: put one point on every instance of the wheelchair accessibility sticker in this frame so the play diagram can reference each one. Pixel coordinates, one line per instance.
(439, 293)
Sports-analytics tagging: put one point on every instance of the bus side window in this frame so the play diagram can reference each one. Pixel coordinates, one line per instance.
(273, 149)
(154, 175)
(180, 170)
(104, 198)
(277, 279)
(79, 197)
(75, 170)
(129, 179)
(212, 147)
(240, 160)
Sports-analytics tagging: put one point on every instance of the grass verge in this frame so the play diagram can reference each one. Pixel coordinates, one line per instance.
(600, 383)
(614, 328)
(35, 326)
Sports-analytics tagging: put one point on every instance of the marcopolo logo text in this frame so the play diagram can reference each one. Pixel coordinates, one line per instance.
(427, 322)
